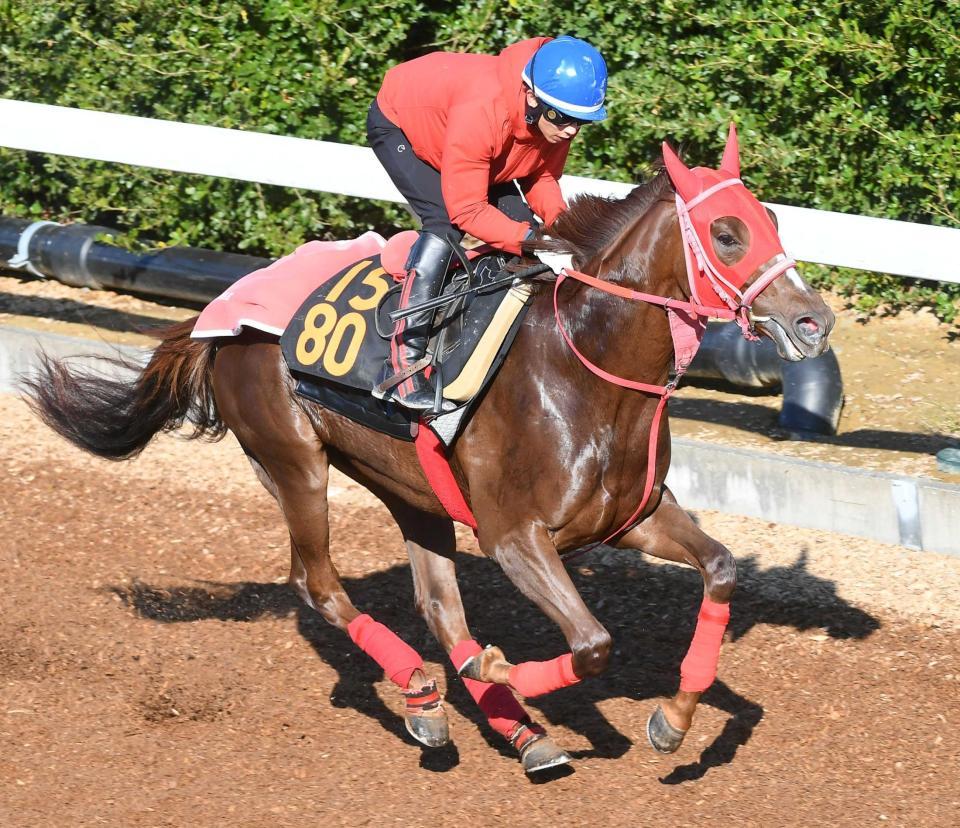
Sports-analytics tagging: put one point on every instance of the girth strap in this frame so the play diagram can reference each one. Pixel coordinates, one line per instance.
(436, 467)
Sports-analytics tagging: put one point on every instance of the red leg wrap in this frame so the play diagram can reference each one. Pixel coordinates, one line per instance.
(496, 701)
(699, 668)
(534, 678)
(397, 658)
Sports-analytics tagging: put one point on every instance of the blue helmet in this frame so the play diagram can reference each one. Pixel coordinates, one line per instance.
(569, 75)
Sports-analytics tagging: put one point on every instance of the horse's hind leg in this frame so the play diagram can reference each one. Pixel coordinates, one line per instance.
(670, 533)
(431, 544)
(293, 459)
(315, 578)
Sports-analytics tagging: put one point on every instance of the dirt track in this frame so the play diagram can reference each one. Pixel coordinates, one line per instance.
(155, 670)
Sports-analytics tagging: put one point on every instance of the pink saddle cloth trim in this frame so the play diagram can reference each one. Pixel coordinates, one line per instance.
(433, 461)
(268, 298)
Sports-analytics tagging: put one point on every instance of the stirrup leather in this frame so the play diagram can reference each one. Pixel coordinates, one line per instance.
(381, 390)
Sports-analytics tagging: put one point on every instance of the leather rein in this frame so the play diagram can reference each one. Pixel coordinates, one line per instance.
(685, 324)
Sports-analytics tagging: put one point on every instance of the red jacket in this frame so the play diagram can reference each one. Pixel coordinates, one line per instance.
(464, 115)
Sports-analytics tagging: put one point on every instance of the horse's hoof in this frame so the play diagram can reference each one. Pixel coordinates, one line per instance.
(424, 716)
(475, 666)
(538, 752)
(543, 754)
(663, 736)
(471, 667)
(431, 732)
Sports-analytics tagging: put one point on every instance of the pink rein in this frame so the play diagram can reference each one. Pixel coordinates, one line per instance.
(686, 330)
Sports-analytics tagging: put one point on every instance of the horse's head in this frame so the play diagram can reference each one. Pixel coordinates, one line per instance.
(735, 258)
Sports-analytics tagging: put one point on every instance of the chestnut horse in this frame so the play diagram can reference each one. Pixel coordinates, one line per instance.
(559, 454)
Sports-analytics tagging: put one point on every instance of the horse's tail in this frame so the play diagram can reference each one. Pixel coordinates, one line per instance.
(115, 417)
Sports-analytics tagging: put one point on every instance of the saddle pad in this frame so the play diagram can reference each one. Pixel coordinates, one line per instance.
(333, 348)
(267, 299)
(333, 336)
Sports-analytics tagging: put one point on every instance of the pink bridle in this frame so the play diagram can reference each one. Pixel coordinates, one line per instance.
(686, 318)
(739, 303)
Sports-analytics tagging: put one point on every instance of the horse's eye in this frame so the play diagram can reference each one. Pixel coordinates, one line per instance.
(727, 240)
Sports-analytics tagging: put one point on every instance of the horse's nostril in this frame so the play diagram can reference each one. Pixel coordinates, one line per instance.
(809, 329)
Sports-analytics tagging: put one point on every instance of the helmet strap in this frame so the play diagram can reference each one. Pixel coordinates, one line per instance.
(533, 113)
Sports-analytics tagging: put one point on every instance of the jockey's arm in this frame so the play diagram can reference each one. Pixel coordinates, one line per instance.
(543, 191)
(465, 182)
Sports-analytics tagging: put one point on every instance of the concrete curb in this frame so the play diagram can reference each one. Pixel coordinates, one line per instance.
(916, 512)
(20, 353)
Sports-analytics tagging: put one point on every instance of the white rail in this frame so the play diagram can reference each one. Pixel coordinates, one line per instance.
(837, 239)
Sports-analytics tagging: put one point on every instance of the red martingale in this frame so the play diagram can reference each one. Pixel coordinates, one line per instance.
(436, 467)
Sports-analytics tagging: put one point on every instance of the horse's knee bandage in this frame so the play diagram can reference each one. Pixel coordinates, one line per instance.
(397, 658)
(497, 703)
(699, 667)
(534, 678)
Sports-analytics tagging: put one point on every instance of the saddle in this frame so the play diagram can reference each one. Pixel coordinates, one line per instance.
(337, 340)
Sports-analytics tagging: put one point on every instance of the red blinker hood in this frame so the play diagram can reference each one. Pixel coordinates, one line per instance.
(705, 195)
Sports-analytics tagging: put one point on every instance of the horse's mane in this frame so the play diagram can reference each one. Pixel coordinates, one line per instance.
(593, 223)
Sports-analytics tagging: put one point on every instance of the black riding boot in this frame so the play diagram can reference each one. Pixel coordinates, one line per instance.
(426, 267)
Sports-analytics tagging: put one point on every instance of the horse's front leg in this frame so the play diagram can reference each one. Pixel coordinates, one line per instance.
(431, 545)
(670, 533)
(531, 562)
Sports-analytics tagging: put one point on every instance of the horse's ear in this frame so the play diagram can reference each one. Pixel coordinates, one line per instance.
(685, 181)
(731, 154)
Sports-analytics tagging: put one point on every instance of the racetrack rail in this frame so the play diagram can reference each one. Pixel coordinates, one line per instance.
(916, 512)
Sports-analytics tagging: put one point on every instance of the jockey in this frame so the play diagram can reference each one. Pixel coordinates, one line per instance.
(457, 133)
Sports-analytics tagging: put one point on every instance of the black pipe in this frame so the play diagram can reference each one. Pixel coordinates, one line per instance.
(70, 254)
(812, 388)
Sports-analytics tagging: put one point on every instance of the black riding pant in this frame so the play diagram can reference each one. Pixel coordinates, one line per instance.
(419, 183)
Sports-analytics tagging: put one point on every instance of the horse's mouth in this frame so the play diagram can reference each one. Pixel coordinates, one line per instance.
(805, 338)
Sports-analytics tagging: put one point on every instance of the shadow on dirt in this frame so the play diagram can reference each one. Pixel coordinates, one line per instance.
(69, 310)
(762, 419)
(650, 609)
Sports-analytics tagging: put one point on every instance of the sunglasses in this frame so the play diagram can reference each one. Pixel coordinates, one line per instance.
(561, 119)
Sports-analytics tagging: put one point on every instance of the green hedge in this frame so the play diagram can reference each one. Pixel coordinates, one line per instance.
(844, 106)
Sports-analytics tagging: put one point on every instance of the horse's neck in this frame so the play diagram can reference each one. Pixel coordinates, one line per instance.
(627, 338)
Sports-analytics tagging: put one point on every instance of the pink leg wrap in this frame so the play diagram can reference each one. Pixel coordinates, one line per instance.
(496, 701)
(534, 678)
(397, 658)
(699, 668)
